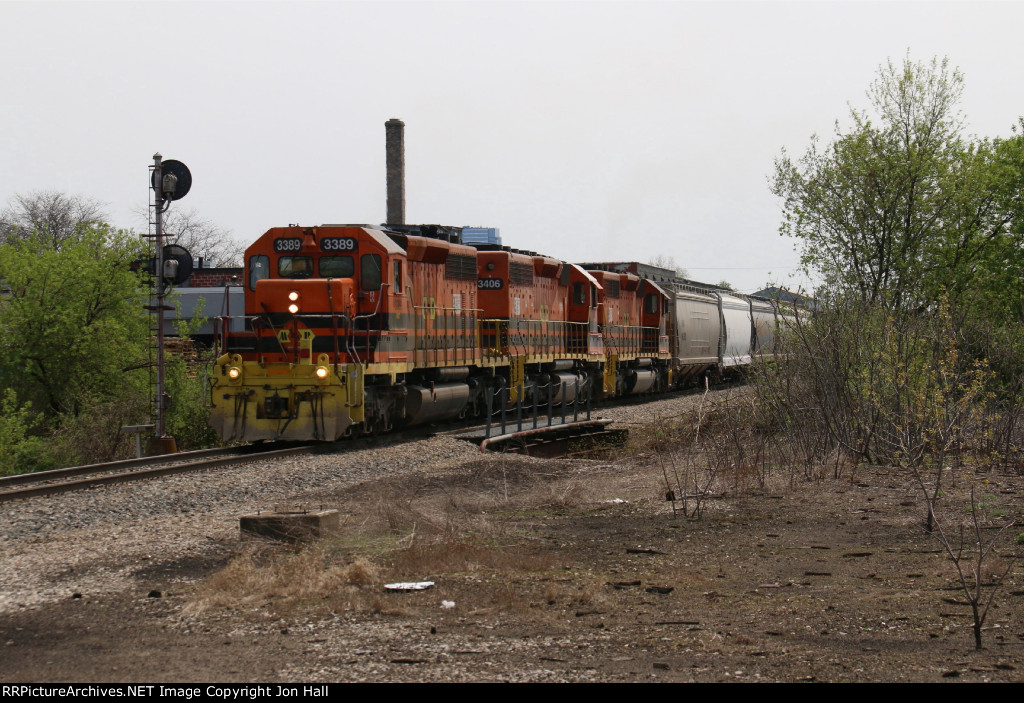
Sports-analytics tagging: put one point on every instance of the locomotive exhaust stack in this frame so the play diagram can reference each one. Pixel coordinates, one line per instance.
(394, 130)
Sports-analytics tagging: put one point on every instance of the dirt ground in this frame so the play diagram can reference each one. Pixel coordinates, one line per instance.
(561, 570)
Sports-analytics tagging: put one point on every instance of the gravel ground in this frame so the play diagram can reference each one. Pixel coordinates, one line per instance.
(546, 570)
(92, 541)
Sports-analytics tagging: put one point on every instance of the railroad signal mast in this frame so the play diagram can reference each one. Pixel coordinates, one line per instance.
(170, 181)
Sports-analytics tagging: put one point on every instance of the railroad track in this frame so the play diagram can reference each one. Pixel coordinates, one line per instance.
(82, 477)
(94, 475)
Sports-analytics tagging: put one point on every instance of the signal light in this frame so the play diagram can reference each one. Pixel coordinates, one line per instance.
(234, 373)
(321, 372)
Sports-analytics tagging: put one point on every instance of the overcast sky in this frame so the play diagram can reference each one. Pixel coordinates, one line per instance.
(585, 130)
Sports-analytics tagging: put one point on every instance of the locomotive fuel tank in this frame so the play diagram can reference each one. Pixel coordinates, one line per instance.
(439, 401)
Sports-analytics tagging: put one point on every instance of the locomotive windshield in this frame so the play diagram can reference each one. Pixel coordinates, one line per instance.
(295, 267)
(337, 266)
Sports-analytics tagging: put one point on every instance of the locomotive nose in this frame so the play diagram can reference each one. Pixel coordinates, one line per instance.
(312, 296)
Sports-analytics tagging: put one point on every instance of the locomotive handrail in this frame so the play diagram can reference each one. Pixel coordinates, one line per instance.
(631, 338)
(570, 335)
(334, 326)
(258, 322)
(458, 312)
(376, 311)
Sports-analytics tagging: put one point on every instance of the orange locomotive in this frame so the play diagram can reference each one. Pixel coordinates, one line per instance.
(354, 329)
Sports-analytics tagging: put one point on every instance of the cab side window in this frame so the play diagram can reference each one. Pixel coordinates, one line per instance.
(259, 268)
(370, 273)
(651, 303)
(579, 294)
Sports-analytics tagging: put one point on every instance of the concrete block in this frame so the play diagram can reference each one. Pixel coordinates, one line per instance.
(297, 526)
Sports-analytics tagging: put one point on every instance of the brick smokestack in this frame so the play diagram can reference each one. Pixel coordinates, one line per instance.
(394, 130)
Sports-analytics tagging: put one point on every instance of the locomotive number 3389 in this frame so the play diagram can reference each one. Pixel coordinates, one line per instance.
(337, 244)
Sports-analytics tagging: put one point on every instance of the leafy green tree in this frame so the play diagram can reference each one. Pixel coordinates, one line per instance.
(72, 327)
(918, 234)
(20, 450)
(74, 338)
(993, 281)
(903, 209)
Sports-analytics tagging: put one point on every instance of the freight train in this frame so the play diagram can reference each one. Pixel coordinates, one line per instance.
(356, 329)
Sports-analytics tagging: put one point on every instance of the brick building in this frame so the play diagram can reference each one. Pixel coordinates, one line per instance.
(213, 277)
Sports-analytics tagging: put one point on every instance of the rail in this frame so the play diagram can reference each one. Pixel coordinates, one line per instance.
(88, 476)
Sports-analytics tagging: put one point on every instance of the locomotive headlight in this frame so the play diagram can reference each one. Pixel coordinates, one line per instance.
(234, 373)
(293, 296)
(321, 372)
(293, 308)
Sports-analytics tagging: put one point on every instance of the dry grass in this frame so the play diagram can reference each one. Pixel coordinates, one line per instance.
(285, 580)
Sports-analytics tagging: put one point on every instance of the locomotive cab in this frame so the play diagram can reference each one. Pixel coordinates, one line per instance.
(343, 279)
(654, 311)
(322, 305)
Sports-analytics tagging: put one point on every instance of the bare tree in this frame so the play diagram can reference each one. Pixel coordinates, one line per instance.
(668, 262)
(969, 554)
(58, 217)
(202, 237)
